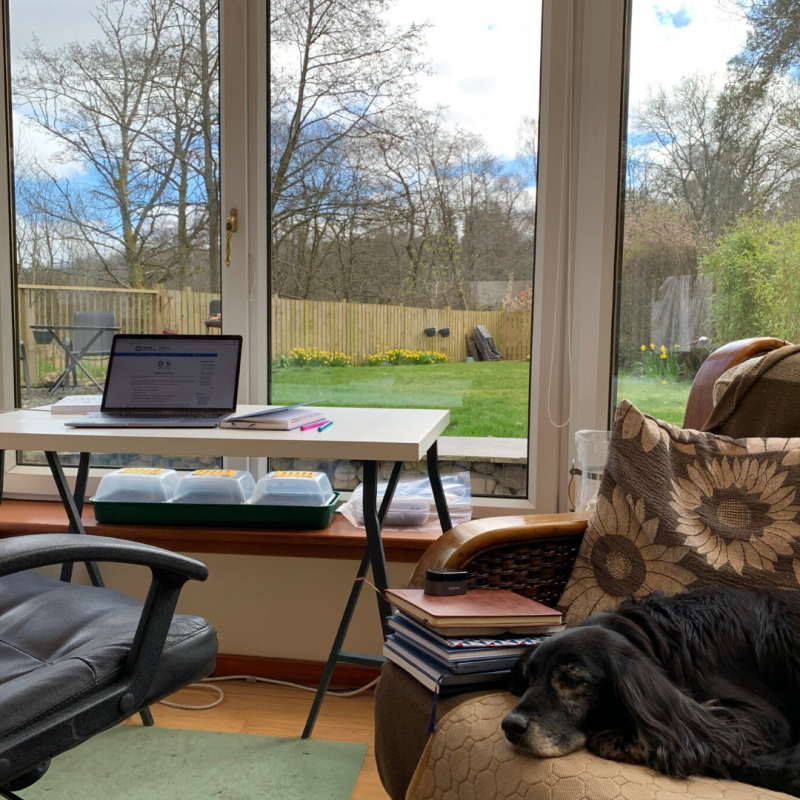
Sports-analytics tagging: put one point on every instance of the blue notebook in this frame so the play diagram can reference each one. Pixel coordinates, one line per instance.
(454, 660)
(459, 649)
(434, 676)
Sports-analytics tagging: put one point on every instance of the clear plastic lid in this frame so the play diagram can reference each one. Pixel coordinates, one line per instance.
(215, 486)
(286, 488)
(137, 485)
(405, 512)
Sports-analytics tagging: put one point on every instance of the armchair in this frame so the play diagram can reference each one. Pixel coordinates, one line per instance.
(531, 555)
(76, 660)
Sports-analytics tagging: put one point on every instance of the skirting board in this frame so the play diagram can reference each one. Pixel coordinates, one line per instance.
(309, 673)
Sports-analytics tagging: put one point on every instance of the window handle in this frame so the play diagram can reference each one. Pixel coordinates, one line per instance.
(231, 226)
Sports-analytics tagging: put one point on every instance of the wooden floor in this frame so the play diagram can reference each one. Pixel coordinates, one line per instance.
(281, 711)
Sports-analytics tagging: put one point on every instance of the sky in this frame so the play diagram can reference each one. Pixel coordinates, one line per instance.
(485, 56)
(484, 53)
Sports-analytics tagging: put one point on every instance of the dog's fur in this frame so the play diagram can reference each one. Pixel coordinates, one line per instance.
(702, 682)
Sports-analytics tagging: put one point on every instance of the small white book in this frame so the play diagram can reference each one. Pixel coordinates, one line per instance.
(275, 419)
(77, 404)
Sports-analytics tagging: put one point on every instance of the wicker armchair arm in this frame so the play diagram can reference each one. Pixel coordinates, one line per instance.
(467, 542)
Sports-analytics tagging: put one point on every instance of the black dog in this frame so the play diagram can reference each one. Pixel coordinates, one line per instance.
(702, 682)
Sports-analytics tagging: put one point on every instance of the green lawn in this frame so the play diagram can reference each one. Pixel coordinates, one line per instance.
(663, 401)
(485, 399)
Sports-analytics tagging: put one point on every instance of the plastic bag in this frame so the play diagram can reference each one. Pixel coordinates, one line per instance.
(413, 505)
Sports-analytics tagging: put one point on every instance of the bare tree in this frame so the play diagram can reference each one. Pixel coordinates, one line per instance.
(720, 155)
(337, 69)
(133, 107)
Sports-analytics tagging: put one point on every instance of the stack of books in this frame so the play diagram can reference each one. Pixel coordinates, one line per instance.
(464, 642)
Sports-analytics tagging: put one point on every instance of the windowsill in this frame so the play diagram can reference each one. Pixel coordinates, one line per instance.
(341, 540)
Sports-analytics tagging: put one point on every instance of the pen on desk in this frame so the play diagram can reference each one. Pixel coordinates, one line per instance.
(326, 425)
(313, 425)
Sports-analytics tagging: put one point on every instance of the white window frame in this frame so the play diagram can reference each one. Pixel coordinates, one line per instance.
(598, 39)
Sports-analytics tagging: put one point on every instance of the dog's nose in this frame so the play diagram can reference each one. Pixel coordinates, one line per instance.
(514, 727)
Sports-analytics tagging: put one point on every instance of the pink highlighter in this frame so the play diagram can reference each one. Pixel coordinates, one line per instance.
(312, 425)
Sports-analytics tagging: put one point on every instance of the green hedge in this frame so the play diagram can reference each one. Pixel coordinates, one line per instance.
(755, 270)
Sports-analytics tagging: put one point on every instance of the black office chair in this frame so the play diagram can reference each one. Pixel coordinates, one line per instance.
(76, 660)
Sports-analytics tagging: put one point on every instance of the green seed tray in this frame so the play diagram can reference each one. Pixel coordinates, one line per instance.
(205, 515)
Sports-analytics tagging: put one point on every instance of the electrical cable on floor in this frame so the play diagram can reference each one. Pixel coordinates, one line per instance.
(205, 684)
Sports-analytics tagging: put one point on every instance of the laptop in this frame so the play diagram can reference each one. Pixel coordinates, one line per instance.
(168, 382)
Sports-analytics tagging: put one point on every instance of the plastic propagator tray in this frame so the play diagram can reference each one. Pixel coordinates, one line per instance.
(207, 515)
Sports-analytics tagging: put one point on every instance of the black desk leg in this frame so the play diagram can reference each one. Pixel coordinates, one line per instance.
(78, 495)
(73, 505)
(373, 520)
(337, 645)
(2, 472)
(372, 524)
(437, 488)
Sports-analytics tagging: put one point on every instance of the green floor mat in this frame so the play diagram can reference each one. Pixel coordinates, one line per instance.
(133, 763)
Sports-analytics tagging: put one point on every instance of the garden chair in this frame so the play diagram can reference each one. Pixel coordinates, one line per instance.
(23, 357)
(214, 314)
(86, 344)
(533, 555)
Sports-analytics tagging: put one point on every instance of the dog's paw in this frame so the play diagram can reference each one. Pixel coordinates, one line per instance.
(616, 746)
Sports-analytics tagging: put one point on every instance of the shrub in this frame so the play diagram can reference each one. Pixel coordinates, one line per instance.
(303, 357)
(397, 356)
(755, 271)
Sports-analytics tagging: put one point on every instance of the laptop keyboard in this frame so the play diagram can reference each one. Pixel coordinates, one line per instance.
(164, 414)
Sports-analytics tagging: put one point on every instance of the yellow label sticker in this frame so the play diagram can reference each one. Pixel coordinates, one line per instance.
(225, 473)
(290, 474)
(141, 471)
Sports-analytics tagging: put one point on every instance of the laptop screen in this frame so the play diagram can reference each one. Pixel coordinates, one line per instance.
(166, 373)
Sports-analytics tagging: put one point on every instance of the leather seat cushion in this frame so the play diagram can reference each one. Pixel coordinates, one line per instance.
(62, 641)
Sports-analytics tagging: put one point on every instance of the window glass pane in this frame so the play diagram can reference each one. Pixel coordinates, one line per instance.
(711, 219)
(403, 154)
(116, 162)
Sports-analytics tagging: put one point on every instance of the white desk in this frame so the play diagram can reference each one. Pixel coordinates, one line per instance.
(363, 434)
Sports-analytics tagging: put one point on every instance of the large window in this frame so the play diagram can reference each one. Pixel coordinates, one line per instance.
(116, 167)
(712, 221)
(416, 178)
(404, 143)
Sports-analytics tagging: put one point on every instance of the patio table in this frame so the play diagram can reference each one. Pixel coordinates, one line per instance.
(73, 358)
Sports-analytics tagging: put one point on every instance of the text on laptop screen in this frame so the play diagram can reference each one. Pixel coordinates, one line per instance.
(176, 373)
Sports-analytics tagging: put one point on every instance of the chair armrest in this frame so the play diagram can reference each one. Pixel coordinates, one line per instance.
(40, 550)
(462, 544)
(700, 402)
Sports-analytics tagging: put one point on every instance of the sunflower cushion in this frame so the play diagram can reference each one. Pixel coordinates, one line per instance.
(679, 509)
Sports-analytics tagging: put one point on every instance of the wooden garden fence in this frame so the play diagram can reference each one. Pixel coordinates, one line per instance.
(357, 329)
(352, 328)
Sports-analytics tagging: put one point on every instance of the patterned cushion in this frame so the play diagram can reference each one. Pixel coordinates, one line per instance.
(468, 759)
(679, 509)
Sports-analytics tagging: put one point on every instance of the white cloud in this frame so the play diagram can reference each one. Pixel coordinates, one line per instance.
(486, 56)
(477, 85)
(32, 143)
(662, 54)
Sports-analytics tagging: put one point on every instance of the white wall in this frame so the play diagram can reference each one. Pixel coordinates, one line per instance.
(274, 607)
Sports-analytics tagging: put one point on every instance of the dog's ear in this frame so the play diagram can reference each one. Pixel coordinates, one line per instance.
(519, 679)
(680, 736)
